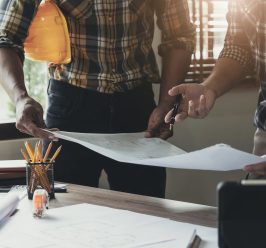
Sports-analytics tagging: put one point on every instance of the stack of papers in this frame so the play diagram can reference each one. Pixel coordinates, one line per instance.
(12, 169)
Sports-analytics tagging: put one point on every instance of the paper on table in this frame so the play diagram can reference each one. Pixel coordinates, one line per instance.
(133, 148)
(99, 227)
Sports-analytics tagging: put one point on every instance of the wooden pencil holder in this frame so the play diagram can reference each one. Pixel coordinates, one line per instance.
(40, 175)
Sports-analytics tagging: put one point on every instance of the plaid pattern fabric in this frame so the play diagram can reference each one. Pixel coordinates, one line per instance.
(110, 39)
(245, 42)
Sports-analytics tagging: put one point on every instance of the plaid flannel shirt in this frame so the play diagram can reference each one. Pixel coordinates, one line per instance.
(245, 42)
(111, 40)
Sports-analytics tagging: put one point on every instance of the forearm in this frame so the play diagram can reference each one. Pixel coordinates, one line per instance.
(175, 66)
(11, 74)
(226, 74)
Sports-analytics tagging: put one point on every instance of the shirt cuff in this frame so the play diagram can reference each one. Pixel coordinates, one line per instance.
(7, 43)
(241, 55)
(181, 43)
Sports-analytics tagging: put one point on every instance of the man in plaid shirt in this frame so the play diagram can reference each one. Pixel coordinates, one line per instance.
(107, 87)
(244, 50)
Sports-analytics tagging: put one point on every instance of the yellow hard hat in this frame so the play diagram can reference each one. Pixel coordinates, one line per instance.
(48, 38)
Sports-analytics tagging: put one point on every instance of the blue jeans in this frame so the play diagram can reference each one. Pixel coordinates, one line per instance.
(75, 109)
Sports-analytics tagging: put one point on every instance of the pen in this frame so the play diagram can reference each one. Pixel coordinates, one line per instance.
(175, 109)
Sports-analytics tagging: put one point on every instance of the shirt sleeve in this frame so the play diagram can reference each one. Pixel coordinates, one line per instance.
(237, 45)
(174, 22)
(15, 19)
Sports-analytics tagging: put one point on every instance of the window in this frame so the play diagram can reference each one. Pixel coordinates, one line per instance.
(35, 74)
(209, 16)
(36, 81)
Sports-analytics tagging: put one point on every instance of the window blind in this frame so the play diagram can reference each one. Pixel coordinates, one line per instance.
(209, 17)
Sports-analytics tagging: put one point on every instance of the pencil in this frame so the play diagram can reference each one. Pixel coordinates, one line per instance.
(30, 152)
(47, 152)
(39, 151)
(35, 155)
(24, 154)
(56, 153)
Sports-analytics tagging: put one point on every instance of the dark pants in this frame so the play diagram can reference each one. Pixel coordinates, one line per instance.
(80, 110)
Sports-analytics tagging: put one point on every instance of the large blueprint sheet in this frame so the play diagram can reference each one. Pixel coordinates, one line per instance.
(134, 148)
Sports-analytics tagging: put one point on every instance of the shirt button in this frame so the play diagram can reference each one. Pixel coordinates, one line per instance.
(110, 18)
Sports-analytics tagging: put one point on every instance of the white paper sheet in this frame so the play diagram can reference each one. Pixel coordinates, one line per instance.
(134, 148)
(86, 225)
(219, 157)
(123, 147)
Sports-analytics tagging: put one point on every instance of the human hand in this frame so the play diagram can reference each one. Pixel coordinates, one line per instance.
(29, 119)
(197, 101)
(258, 169)
(156, 126)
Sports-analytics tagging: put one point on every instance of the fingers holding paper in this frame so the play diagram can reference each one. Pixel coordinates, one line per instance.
(258, 169)
(29, 118)
(156, 126)
(197, 101)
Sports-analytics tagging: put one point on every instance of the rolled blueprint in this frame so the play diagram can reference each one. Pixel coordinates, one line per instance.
(8, 205)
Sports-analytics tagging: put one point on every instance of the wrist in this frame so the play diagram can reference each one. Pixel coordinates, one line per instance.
(211, 89)
(21, 97)
(165, 99)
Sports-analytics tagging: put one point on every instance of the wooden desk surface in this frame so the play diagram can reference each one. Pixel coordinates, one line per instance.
(175, 210)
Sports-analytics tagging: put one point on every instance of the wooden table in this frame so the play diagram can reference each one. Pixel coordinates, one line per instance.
(175, 210)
